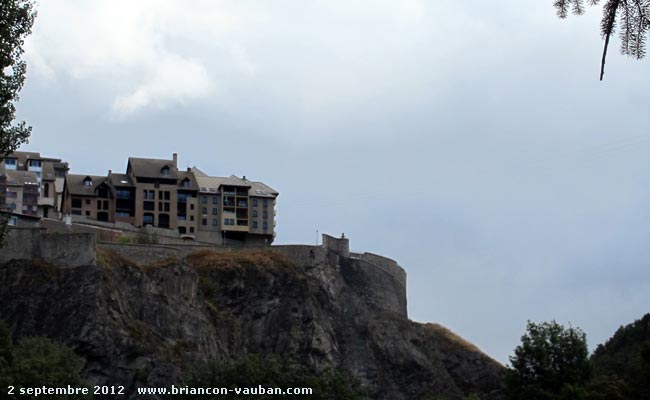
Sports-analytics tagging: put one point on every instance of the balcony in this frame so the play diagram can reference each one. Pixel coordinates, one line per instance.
(46, 201)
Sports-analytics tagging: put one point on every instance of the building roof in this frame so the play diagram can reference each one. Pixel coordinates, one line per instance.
(75, 184)
(20, 178)
(119, 179)
(259, 189)
(211, 184)
(48, 171)
(152, 168)
(182, 175)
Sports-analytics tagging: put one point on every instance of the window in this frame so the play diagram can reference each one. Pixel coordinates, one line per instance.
(266, 225)
(149, 194)
(88, 201)
(254, 224)
(74, 212)
(215, 200)
(191, 229)
(88, 182)
(204, 221)
(167, 195)
(160, 206)
(165, 171)
(265, 202)
(254, 213)
(254, 202)
(147, 219)
(149, 205)
(214, 211)
(167, 207)
(10, 163)
(87, 213)
(122, 214)
(214, 222)
(76, 203)
(181, 197)
(191, 217)
(186, 182)
(191, 206)
(13, 195)
(13, 221)
(265, 214)
(47, 190)
(204, 200)
(123, 194)
(34, 163)
(204, 211)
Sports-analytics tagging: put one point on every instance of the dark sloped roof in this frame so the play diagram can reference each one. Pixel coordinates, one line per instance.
(232, 180)
(259, 189)
(48, 171)
(152, 168)
(21, 178)
(182, 175)
(120, 180)
(75, 184)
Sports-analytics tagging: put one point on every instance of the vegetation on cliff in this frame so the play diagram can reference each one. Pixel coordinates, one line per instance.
(552, 363)
(35, 362)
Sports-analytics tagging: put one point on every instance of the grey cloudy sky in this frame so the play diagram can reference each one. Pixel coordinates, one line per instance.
(471, 141)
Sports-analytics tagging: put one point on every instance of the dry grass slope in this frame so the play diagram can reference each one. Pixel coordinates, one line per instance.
(451, 337)
(225, 260)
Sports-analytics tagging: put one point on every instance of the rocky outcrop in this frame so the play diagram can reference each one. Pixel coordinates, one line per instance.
(145, 325)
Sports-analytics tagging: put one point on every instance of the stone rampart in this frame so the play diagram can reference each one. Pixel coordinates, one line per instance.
(340, 246)
(62, 249)
(385, 264)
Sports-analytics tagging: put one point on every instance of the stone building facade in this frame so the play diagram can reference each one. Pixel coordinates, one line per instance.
(195, 205)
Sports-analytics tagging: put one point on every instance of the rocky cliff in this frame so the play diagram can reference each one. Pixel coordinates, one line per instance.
(144, 324)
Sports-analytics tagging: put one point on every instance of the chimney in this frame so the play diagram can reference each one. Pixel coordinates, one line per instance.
(175, 158)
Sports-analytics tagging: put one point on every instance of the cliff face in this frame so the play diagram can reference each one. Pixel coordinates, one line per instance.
(143, 325)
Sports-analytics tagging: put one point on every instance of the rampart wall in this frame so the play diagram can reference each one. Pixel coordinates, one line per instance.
(379, 280)
(62, 249)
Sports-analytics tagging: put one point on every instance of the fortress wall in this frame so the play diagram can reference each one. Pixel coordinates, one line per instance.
(66, 250)
(387, 265)
(20, 244)
(340, 246)
(377, 287)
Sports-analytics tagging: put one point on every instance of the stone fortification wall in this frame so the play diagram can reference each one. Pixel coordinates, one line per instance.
(340, 246)
(385, 264)
(66, 250)
(377, 288)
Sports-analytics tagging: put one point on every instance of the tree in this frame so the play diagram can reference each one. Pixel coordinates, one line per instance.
(632, 16)
(16, 20)
(551, 363)
(36, 362)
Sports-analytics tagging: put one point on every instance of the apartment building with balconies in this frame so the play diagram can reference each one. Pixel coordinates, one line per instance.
(50, 175)
(154, 192)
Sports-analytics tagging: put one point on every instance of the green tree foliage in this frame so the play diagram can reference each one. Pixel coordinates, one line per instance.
(551, 363)
(16, 20)
(253, 371)
(37, 362)
(625, 358)
(631, 17)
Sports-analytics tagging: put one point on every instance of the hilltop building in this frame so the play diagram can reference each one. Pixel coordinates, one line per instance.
(31, 184)
(155, 192)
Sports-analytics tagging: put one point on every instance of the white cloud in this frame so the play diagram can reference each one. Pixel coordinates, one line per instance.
(144, 53)
(173, 80)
